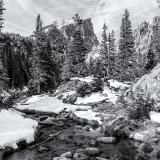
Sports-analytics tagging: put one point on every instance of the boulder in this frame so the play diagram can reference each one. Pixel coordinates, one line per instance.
(42, 149)
(146, 147)
(80, 156)
(158, 154)
(93, 123)
(118, 125)
(147, 87)
(84, 89)
(99, 158)
(61, 158)
(67, 155)
(92, 151)
(70, 99)
(107, 140)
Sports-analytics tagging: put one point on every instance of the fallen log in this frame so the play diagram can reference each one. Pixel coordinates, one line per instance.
(48, 139)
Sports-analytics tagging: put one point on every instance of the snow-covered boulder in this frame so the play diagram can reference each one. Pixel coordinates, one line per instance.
(147, 87)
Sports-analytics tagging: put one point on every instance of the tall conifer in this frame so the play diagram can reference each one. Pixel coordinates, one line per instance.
(126, 60)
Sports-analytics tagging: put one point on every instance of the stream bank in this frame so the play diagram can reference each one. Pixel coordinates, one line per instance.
(73, 136)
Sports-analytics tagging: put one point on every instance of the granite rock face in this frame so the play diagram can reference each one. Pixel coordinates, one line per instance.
(89, 36)
(143, 36)
(147, 86)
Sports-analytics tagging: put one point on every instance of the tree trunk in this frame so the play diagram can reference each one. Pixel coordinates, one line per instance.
(38, 88)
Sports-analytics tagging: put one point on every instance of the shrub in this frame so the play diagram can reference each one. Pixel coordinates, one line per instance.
(97, 85)
(140, 108)
(84, 90)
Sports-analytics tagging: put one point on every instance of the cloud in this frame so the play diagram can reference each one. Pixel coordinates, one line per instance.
(21, 14)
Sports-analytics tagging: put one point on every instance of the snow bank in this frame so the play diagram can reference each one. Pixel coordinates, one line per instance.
(90, 115)
(155, 117)
(65, 94)
(116, 84)
(112, 96)
(52, 104)
(93, 98)
(14, 127)
(88, 79)
(48, 104)
(34, 99)
(107, 95)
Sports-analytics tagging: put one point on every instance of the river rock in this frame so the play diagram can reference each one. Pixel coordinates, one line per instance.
(92, 151)
(67, 155)
(61, 158)
(70, 99)
(107, 140)
(80, 156)
(118, 125)
(42, 149)
(99, 158)
(93, 123)
(93, 143)
(82, 120)
(158, 154)
(146, 147)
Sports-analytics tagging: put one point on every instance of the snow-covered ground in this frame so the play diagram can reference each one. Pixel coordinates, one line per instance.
(116, 84)
(155, 117)
(52, 104)
(88, 79)
(107, 95)
(111, 95)
(14, 127)
(93, 98)
(48, 104)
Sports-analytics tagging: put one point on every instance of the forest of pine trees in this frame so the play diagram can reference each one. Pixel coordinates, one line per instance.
(46, 58)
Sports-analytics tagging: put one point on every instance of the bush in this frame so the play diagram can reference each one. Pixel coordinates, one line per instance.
(140, 108)
(97, 85)
(84, 90)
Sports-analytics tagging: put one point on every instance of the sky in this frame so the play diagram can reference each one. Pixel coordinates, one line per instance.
(20, 15)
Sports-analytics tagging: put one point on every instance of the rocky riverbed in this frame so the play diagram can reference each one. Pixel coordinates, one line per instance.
(78, 141)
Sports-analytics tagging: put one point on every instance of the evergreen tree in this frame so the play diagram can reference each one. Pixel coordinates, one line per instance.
(112, 53)
(37, 72)
(75, 58)
(104, 52)
(99, 72)
(150, 63)
(126, 60)
(68, 66)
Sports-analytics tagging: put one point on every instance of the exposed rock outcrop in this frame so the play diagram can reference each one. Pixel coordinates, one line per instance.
(143, 39)
(89, 36)
(147, 87)
(61, 34)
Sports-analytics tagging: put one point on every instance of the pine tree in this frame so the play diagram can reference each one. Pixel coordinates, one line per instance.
(150, 63)
(67, 67)
(112, 53)
(77, 48)
(104, 52)
(126, 60)
(75, 57)
(37, 72)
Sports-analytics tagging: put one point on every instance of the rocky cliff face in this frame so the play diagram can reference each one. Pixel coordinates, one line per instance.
(143, 38)
(90, 38)
(147, 87)
(62, 33)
